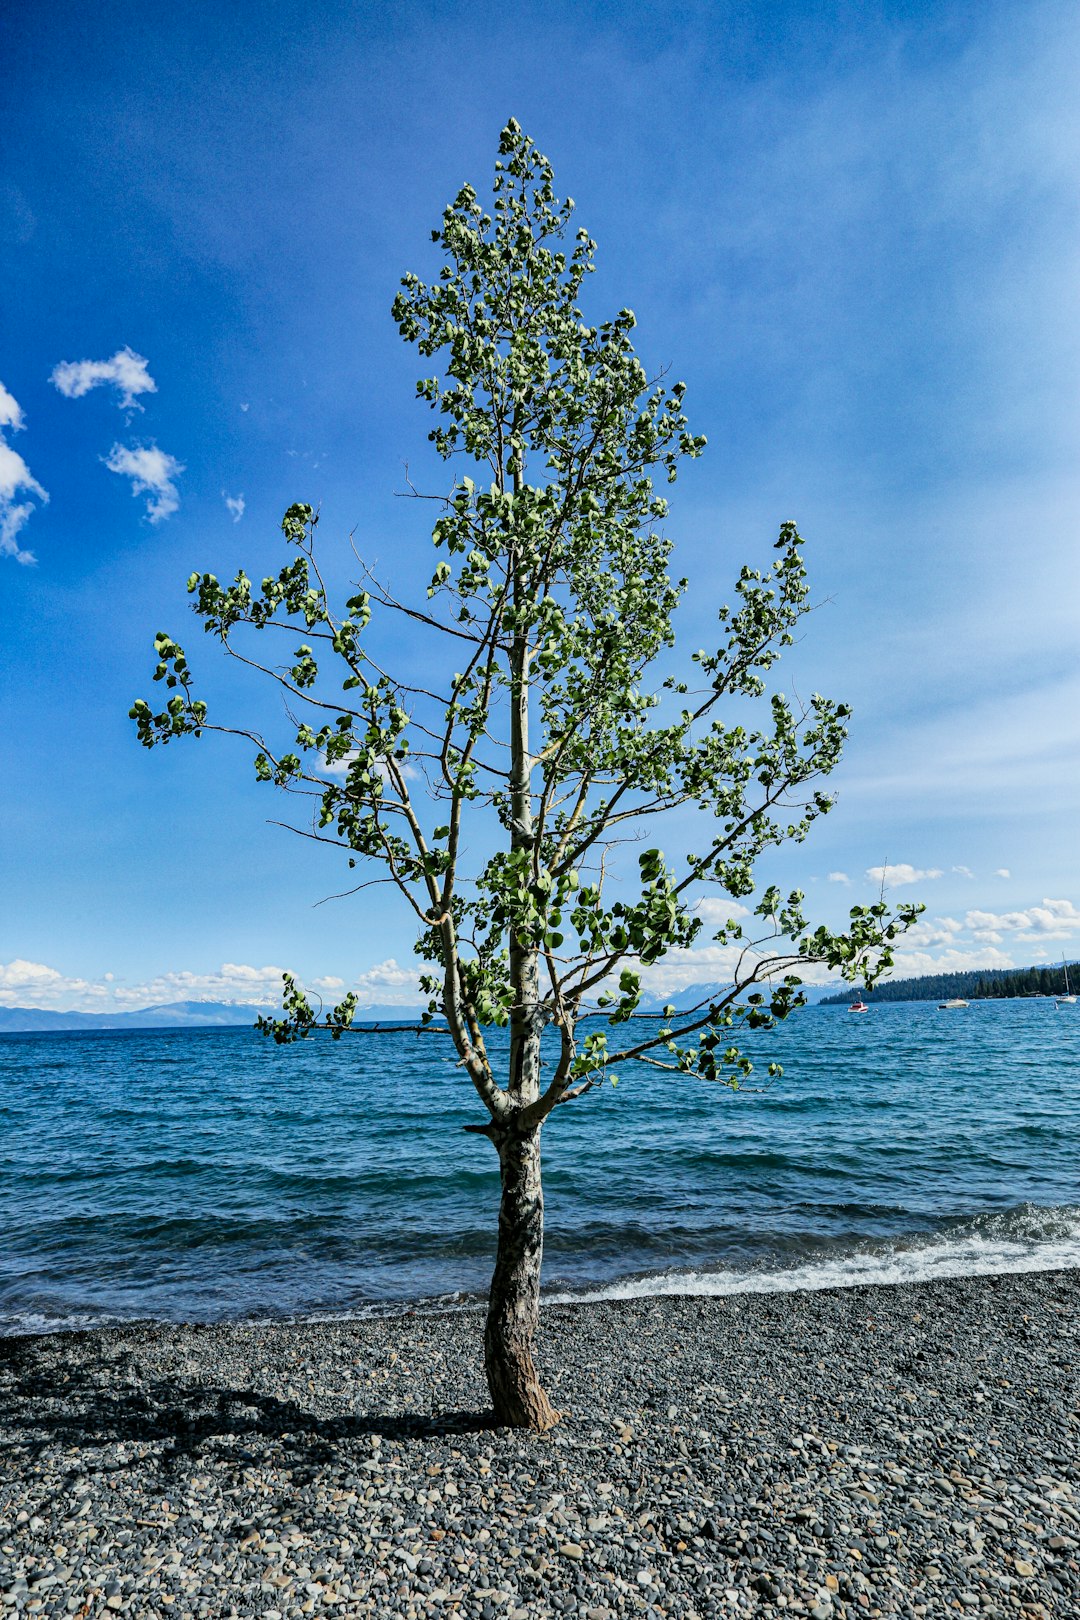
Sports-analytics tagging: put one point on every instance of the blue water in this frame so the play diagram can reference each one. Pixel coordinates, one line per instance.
(199, 1176)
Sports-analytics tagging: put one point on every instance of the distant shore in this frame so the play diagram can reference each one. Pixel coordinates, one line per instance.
(908, 1450)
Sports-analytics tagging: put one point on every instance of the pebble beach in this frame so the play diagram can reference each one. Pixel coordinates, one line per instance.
(907, 1450)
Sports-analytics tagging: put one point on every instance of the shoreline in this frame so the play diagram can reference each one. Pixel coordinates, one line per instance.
(926, 1257)
(901, 1449)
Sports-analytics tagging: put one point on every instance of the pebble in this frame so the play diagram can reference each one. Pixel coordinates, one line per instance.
(911, 1451)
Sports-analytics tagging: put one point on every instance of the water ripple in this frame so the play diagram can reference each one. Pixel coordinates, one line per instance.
(169, 1175)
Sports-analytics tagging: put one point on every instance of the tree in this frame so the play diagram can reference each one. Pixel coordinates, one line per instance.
(548, 740)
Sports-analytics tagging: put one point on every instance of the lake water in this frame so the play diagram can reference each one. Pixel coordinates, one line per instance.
(200, 1176)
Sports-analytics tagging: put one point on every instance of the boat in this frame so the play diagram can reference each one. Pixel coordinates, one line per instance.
(859, 1006)
(947, 1006)
(1068, 999)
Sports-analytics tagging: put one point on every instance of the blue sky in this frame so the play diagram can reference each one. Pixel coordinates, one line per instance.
(853, 229)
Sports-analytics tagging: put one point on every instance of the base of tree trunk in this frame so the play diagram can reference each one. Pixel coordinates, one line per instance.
(514, 1304)
(516, 1391)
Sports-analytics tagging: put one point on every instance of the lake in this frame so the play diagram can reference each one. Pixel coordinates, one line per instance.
(209, 1175)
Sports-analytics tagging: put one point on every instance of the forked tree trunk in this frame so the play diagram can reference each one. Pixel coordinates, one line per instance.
(514, 1302)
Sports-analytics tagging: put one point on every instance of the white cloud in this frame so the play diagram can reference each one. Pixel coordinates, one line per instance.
(717, 909)
(126, 371)
(932, 945)
(15, 478)
(235, 503)
(34, 984)
(839, 877)
(233, 981)
(913, 964)
(1054, 919)
(151, 472)
(337, 767)
(388, 975)
(698, 965)
(20, 973)
(15, 475)
(340, 767)
(1003, 872)
(927, 933)
(245, 407)
(10, 410)
(964, 871)
(895, 877)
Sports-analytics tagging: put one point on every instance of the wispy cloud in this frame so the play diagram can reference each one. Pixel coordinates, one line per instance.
(895, 877)
(152, 472)
(236, 504)
(1003, 872)
(839, 877)
(964, 871)
(1015, 751)
(127, 372)
(15, 479)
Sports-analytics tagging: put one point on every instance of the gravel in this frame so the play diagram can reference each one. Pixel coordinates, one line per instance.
(910, 1450)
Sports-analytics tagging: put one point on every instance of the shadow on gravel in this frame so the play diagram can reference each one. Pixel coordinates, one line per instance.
(76, 1404)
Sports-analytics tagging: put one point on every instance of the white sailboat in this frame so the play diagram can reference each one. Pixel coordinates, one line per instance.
(1068, 999)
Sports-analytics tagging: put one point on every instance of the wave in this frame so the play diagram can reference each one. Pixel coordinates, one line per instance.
(17, 1324)
(1029, 1238)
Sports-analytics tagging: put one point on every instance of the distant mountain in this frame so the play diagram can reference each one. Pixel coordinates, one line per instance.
(376, 1014)
(174, 1015)
(242, 1015)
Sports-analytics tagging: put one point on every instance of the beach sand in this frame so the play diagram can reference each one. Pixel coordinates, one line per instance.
(910, 1450)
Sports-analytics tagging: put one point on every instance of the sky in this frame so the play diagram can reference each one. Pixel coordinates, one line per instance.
(853, 229)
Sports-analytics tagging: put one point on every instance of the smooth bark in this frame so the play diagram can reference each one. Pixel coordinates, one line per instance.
(514, 1303)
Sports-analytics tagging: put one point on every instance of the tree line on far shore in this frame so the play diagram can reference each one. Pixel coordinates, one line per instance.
(976, 985)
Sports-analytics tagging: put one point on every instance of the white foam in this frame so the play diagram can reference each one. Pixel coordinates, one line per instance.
(23, 1322)
(1027, 1239)
(1021, 1240)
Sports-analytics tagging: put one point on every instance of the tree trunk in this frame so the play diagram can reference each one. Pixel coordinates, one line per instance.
(514, 1302)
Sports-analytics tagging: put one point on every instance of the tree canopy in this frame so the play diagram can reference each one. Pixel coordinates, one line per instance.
(554, 734)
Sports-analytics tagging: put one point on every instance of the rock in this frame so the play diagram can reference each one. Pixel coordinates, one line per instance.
(445, 1513)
